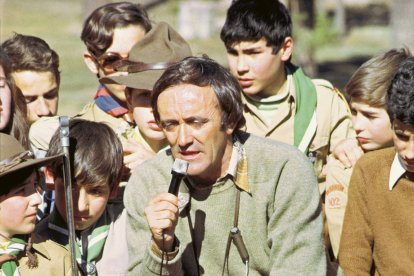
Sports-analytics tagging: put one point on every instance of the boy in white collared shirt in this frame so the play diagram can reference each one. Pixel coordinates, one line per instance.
(378, 228)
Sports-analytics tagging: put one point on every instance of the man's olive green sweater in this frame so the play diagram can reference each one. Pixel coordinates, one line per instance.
(280, 219)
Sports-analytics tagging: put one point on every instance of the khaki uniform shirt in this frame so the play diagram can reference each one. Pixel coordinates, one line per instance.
(333, 123)
(114, 258)
(41, 131)
(336, 198)
(53, 259)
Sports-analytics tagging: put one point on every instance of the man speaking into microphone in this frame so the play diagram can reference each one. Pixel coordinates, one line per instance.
(245, 205)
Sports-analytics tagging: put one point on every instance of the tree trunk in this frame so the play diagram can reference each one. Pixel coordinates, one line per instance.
(402, 23)
(340, 23)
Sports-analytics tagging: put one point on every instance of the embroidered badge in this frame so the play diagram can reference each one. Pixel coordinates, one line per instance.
(335, 196)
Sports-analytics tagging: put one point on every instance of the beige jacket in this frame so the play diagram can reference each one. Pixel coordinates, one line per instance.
(336, 199)
(53, 259)
(42, 130)
(114, 258)
(332, 117)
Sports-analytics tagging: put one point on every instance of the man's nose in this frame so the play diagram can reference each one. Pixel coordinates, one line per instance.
(184, 135)
(83, 203)
(42, 108)
(36, 198)
(409, 150)
(242, 65)
(358, 123)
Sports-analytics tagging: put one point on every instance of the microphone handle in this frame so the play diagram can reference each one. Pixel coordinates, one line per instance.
(175, 184)
(238, 241)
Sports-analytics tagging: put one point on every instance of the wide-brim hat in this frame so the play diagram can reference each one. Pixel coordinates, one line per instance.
(14, 158)
(160, 48)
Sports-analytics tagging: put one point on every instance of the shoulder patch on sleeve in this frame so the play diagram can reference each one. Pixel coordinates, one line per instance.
(327, 84)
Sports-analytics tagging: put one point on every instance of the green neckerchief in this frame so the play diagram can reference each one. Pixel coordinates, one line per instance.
(92, 240)
(305, 103)
(15, 247)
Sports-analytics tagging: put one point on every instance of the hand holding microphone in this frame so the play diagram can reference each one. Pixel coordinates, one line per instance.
(162, 210)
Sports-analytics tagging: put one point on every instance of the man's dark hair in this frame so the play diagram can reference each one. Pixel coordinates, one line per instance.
(96, 154)
(252, 20)
(400, 96)
(98, 28)
(202, 72)
(31, 53)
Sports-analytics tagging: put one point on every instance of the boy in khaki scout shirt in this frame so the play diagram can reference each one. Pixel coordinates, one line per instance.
(280, 102)
(109, 33)
(21, 251)
(101, 245)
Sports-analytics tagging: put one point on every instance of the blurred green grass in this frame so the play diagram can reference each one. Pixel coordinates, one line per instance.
(59, 22)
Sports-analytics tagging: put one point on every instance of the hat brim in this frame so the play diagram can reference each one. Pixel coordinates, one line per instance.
(31, 163)
(141, 80)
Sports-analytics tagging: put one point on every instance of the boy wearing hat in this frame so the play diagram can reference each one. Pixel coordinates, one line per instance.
(101, 247)
(108, 33)
(21, 252)
(148, 59)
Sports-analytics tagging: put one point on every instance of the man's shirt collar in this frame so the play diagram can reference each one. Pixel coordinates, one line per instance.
(396, 171)
(238, 166)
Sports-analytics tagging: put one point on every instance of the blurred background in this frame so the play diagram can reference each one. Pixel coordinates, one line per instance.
(332, 37)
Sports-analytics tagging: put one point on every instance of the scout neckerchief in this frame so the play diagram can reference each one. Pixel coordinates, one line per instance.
(305, 105)
(105, 101)
(15, 247)
(91, 243)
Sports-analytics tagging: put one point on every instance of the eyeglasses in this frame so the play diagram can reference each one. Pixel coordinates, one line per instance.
(107, 61)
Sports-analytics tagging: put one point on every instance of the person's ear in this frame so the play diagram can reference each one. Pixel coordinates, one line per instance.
(90, 62)
(49, 178)
(287, 49)
(229, 129)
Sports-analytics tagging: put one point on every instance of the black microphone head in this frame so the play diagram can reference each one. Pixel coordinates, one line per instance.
(179, 167)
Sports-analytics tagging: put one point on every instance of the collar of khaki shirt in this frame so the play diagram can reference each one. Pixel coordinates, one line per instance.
(237, 169)
(290, 87)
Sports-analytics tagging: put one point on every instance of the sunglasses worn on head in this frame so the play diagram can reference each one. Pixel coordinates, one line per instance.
(108, 60)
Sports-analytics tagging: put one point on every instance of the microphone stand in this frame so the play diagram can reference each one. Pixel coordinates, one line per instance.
(67, 178)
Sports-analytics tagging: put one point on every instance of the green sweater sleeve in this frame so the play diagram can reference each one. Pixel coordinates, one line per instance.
(295, 226)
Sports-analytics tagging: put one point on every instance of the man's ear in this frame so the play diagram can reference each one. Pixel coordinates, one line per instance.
(49, 178)
(287, 49)
(90, 62)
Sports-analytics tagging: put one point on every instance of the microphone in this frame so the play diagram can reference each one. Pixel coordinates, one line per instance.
(178, 171)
